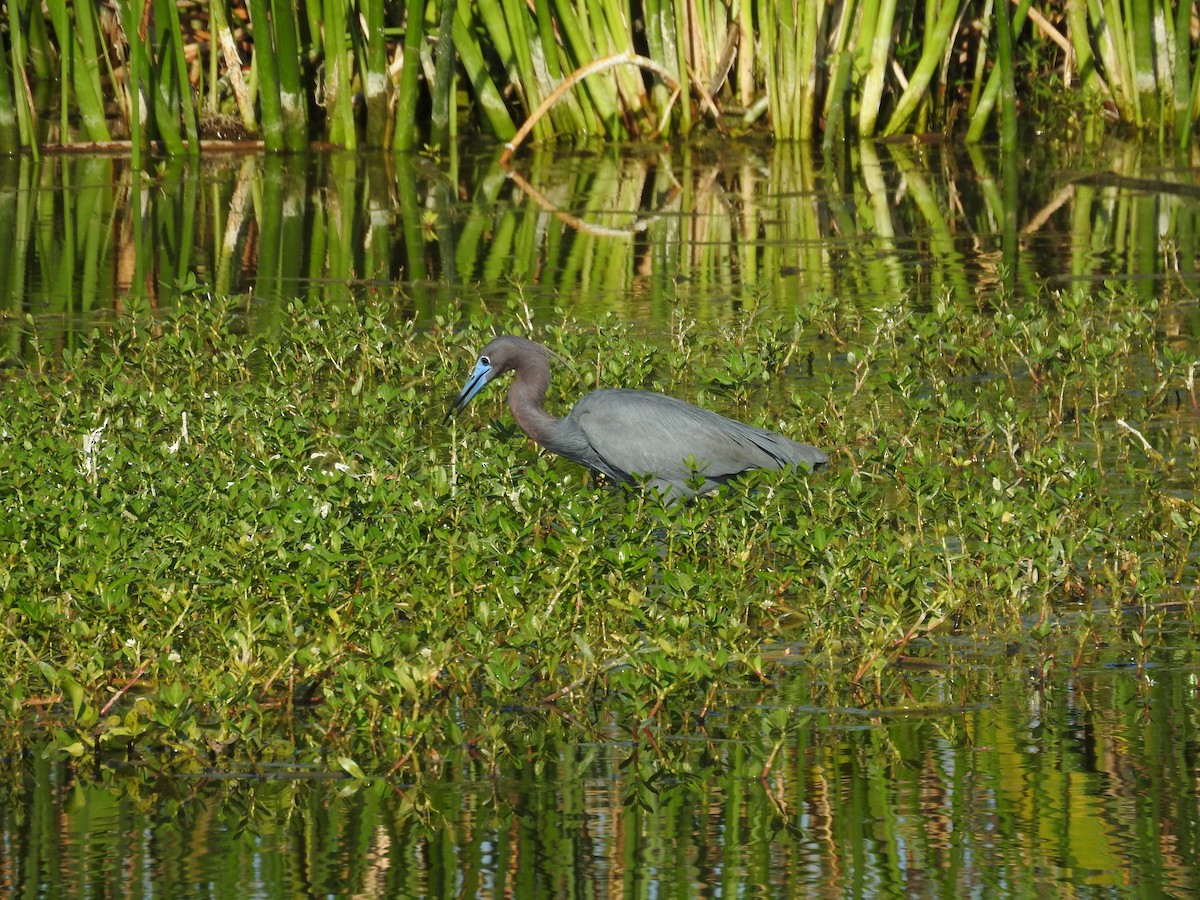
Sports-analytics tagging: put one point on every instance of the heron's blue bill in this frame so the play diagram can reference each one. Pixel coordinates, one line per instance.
(481, 376)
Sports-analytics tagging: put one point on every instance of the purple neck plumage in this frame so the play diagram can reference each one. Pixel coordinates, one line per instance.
(526, 396)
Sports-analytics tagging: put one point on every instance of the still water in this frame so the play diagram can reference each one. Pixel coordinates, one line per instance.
(993, 774)
(1079, 783)
(703, 233)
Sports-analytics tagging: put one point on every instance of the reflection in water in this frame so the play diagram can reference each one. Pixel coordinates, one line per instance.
(592, 231)
(1089, 782)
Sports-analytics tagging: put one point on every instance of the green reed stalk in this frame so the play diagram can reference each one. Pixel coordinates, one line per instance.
(981, 58)
(293, 102)
(789, 90)
(1140, 34)
(657, 47)
(931, 55)
(10, 130)
(996, 84)
(863, 40)
(1109, 31)
(26, 115)
(786, 88)
(807, 39)
(405, 134)
(269, 105)
(836, 109)
(1085, 61)
(578, 111)
(520, 39)
(770, 39)
(174, 95)
(881, 50)
(374, 81)
(630, 86)
(135, 67)
(1181, 96)
(596, 96)
(339, 85)
(496, 26)
(487, 95)
(444, 117)
(39, 52)
(682, 26)
(67, 52)
(83, 53)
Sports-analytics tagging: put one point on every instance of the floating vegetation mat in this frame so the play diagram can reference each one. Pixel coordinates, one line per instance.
(216, 541)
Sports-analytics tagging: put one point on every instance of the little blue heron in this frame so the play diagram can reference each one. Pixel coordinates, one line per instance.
(632, 436)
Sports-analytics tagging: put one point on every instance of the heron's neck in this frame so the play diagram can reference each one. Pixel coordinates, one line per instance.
(526, 398)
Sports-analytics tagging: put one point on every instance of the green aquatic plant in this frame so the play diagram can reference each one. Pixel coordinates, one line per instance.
(427, 72)
(222, 534)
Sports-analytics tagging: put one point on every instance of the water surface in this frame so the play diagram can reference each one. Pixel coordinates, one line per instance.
(973, 771)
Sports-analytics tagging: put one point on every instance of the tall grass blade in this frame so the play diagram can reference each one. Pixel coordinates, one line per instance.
(933, 51)
(1113, 40)
(679, 40)
(269, 104)
(79, 61)
(339, 86)
(293, 102)
(375, 83)
(1008, 92)
(1184, 72)
(1000, 72)
(808, 36)
(10, 128)
(487, 95)
(173, 108)
(582, 111)
(135, 69)
(837, 109)
(1141, 33)
(444, 118)
(880, 55)
(405, 135)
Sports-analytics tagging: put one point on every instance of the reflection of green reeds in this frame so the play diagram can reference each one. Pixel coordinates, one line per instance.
(733, 230)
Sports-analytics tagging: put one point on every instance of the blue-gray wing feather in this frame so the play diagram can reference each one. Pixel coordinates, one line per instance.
(636, 434)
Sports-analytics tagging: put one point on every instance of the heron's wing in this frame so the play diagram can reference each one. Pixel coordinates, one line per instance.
(645, 434)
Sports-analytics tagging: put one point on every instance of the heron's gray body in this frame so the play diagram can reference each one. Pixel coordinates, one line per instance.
(634, 436)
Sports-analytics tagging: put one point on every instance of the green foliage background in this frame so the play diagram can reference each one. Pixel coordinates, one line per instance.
(368, 73)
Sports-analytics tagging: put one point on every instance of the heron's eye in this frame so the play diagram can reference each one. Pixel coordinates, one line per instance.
(487, 362)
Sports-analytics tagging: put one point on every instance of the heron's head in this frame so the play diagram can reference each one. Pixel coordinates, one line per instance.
(497, 357)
